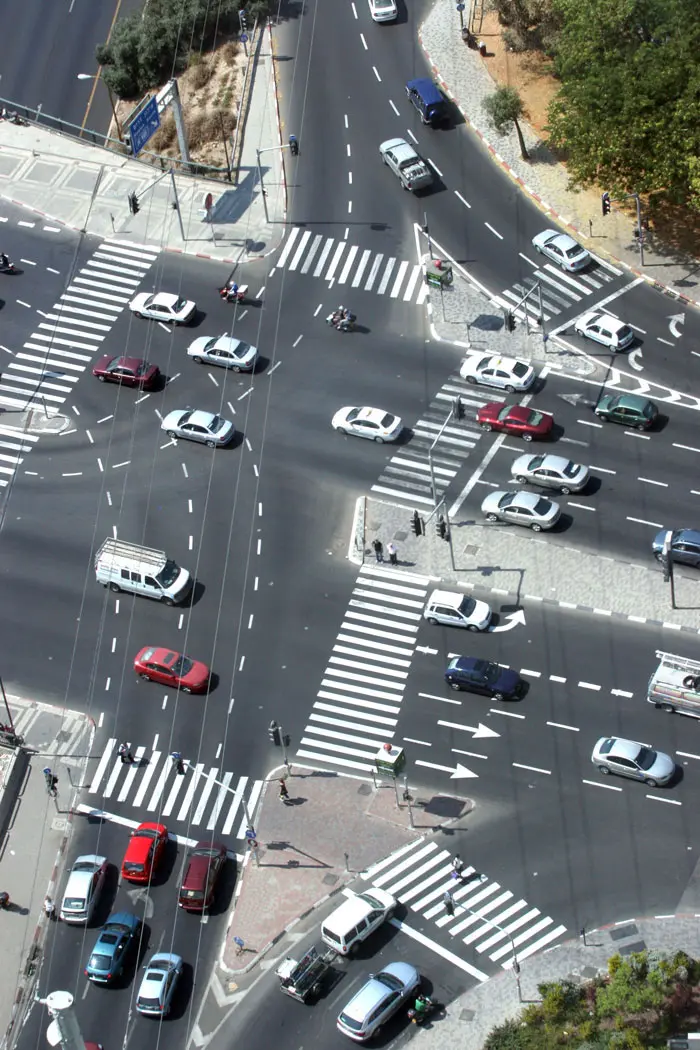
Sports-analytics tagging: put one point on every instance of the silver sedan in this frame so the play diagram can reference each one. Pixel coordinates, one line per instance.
(224, 351)
(522, 508)
(627, 758)
(194, 425)
(550, 472)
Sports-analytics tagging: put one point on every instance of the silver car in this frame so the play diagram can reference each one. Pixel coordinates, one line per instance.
(224, 351)
(522, 508)
(378, 1000)
(207, 427)
(550, 472)
(562, 249)
(158, 985)
(627, 758)
(83, 888)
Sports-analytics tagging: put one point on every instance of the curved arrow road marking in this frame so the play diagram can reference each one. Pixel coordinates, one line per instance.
(632, 358)
(673, 321)
(513, 619)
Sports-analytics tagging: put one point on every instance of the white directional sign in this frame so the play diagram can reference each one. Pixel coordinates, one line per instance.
(458, 772)
(513, 619)
(478, 732)
(673, 321)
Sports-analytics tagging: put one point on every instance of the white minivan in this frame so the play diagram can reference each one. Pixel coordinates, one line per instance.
(124, 566)
(356, 919)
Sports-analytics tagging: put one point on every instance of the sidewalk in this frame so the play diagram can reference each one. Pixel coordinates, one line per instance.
(469, 1019)
(33, 848)
(464, 76)
(86, 188)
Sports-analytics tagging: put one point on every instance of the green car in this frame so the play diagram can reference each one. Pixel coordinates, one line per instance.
(628, 409)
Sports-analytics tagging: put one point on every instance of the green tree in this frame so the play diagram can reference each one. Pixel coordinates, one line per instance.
(504, 108)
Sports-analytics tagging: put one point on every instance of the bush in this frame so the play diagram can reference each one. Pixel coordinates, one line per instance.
(514, 41)
(200, 74)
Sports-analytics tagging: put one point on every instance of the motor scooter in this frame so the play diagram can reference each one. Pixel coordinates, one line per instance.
(239, 296)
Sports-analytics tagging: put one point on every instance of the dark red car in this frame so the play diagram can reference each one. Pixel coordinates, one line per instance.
(514, 419)
(203, 869)
(131, 371)
(144, 851)
(170, 668)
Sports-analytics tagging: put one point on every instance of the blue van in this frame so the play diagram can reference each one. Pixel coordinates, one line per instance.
(428, 100)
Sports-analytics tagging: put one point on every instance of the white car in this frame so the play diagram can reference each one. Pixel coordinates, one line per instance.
(505, 373)
(522, 508)
(83, 888)
(603, 328)
(224, 351)
(158, 985)
(383, 10)
(372, 423)
(206, 427)
(562, 249)
(163, 306)
(550, 472)
(410, 169)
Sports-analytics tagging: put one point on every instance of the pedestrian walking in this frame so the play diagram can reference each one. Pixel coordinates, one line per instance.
(51, 781)
(49, 908)
(178, 763)
(284, 794)
(378, 550)
(4, 900)
(393, 553)
(125, 753)
(457, 865)
(448, 902)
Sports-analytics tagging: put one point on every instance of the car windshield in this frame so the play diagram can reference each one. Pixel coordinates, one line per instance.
(132, 867)
(206, 851)
(382, 4)
(624, 332)
(353, 414)
(534, 419)
(184, 418)
(390, 981)
(156, 972)
(520, 369)
(147, 1003)
(179, 305)
(241, 350)
(182, 666)
(146, 833)
(646, 757)
(168, 574)
(467, 606)
(503, 414)
(142, 369)
(351, 1022)
(507, 499)
(574, 250)
(570, 469)
(100, 962)
(387, 420)
(210, 344)
(74, 903)
(648, 410)
(193, 895)
(216, 424)
(542, 506)
(535, 462)
(372, 901)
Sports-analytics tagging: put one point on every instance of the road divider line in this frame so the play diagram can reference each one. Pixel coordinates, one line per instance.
(668, 801)
(688, 754)
(589, 685)
(597, 784)
(561, 725)
(532, 769)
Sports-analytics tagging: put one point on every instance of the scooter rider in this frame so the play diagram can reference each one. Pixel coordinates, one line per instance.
(4, 261)
(422, 1005)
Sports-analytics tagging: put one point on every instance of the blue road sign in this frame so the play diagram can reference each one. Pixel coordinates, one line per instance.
(460, 7)
(244, 38)
(144, 124)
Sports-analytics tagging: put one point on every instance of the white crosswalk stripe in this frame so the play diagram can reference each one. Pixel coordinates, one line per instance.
(67, 340)
(408, 476)
(559, 290)
(487, 918)
(348, 264)
(358, 704)
(203, 797)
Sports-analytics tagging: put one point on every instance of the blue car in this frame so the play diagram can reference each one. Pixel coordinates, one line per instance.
(112, 948)
(485, 677)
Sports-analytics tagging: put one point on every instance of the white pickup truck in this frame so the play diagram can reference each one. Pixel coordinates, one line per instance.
(411, 170)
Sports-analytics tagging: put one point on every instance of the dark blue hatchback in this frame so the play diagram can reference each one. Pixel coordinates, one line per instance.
(485, 677)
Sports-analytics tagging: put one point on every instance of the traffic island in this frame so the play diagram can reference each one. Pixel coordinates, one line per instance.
(315, 843)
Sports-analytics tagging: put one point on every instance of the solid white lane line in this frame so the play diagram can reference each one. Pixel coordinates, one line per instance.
(562, 725)
(532, 769)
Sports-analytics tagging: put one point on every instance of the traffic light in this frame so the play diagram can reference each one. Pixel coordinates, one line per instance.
(127, 143)
(242, 18)
(510, 321)
(134, 205)
(274, 733)
(457, 408)
(441, 527)
(605, 202)
(666, 557)
(417, 526)
(294, 145)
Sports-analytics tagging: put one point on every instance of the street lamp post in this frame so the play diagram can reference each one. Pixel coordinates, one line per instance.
(96, 76)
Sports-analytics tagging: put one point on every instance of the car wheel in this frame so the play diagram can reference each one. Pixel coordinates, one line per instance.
(565, 490)
(342, 430)
(139, 314)
(485, 426)
(471, 380)
(168, 601)
(658, 556)
(102, 379)
(197, 359)
(146, 677)
(604, 770)
(431, 619)
(171, 434)
(115, 587)
(536, 527)
(454, 685)
(492, 517)
(236, 368)
(472, 627)
(527, 437)
(650, 782)
(509, 388)
(667, 707)
(640, 426)
(379, 439)
(211, 444)
(601, 416)
(186, 689)
(521, 479)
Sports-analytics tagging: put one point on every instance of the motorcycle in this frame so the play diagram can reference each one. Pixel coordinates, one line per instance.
(341, 323)
(419, 1017)
(8, 736)
(9, 267)
(239, 296)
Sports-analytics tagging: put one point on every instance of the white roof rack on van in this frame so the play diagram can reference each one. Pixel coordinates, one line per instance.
(677, 663)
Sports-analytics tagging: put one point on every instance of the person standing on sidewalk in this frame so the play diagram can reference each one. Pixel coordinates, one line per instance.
(284, 794)
(49, 908)
(378, 550)
(393, 553)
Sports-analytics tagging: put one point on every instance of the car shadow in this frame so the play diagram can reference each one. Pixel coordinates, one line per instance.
(107, 898)
(380, 939)
(183, 994)
(563, 525)
(198, 588)
(555, 433)
(223, 895)
(593, 485)
(167, 863)
(197, 320)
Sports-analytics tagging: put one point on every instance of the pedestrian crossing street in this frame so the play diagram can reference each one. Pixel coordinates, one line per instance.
(44, 372)
(488, 919)
(347, 265)
(407, 476)
(560, 291)
(205, 798)
(357, 707)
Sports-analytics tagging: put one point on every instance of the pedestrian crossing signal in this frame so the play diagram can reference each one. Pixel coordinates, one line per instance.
(441, 527)
(417, 525)
(510, 321)
(134, 205)
(605, 202)
(294, 145)
(274, 733)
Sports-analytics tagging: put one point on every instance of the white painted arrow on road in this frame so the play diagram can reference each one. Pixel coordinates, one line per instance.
(632, 358)
(673, 321)
(459, 772)
(425, 649)
(479, 731)
(513, 620)
(577, 399)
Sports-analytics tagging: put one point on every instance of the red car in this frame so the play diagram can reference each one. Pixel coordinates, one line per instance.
(203, 870)
(170, 668)
(131, 371)
(514, 419)
(145, 849)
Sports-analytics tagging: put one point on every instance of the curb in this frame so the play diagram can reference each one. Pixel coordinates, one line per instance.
(546, 208)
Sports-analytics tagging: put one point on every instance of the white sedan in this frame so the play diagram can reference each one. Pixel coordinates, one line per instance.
(505, 373)
(562, 249)
(155, 996)
(205, 427)
(383, 10)
(224, 351)
(372, 423)
(163, 306)
(603, 328)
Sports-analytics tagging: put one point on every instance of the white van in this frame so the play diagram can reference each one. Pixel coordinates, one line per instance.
(354, 920)
(457, 610)
(123, 566)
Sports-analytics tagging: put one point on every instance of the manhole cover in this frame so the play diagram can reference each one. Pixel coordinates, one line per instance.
(620, 932)
(400, 536)
(467, 1015)
(329, 879)
(471, 550)
(59, 824)
(637, 946)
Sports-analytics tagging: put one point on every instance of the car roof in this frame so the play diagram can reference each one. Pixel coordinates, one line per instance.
(426, 88)
(128, 361)
(632, 401)
(226, 342)
(689, 535)
(563, 240)
(155, 652)
(595, 316)
(165, 298)
(92, 859)
(549, 461)
(622, 748)
(78, 883)
(401, 148)
(123, 918)
(376, 415)
(527, 499)
(375, 991)
(202, 418)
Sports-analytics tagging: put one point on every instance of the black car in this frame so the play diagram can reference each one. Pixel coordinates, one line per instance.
(485, 677)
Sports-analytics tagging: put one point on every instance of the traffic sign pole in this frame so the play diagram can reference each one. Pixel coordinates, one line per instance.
(460, 8)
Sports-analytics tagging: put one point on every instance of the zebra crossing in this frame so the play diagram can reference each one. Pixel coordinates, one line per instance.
(488, 919)
(407, 477)
(208, 798)
(44, 372)
(560, 291)
(357, 707)
(348, 265)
